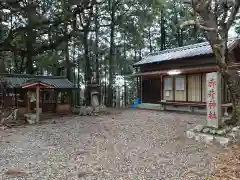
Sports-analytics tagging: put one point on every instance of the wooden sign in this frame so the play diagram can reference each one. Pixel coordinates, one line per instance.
(213, 98)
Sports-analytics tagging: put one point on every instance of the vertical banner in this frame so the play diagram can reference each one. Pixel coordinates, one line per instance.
(213, 99)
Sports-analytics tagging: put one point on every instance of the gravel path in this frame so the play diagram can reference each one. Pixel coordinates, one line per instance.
(131, 145)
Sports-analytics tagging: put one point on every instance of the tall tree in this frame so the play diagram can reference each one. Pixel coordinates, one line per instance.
(216, 18)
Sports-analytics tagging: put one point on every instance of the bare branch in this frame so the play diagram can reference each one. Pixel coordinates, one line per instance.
(233, 14)
(193, 22)
(224, 14)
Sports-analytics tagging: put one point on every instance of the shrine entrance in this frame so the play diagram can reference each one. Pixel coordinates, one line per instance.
(34, 97)
(151, 89)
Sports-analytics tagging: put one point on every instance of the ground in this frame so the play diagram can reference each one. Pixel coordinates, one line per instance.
(227, 166)
(128, 145)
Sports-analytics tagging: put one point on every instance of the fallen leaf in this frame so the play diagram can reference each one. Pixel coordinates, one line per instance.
(15, 172)
(82, 174)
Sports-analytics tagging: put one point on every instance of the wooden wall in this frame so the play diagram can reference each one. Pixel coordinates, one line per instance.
(180, 94)
(192, 88)
(204, 88)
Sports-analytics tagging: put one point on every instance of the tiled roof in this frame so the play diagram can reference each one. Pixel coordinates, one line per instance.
(181, 52)
(17, 80)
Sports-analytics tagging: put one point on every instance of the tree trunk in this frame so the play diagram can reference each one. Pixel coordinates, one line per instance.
(2, 62)
(66, 45)
(88, 72)
(163, 33)
(105, 82)
(150, 39)
(135, 55)
(233, 87)
(178, 33)
(2, 68)
(21, 68)
(31, 36)
(111, 53)
(29, 63)
(96, 44)
(231, 79)
(78, 78)
(67, 61)
(217, 36)
(73, 68)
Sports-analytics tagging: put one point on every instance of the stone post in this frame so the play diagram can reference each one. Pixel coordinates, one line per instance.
(213, 98)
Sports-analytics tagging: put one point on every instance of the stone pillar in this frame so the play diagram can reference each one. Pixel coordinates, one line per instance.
(213, 87)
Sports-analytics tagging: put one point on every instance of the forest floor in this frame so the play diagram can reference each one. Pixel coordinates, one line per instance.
(128, 144)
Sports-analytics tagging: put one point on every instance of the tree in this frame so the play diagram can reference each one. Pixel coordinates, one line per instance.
(216, 17)
(69, 36)
(39, 26)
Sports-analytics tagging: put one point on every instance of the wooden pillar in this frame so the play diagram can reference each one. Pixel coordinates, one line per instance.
(56, 94)
(186, 87)
(125, 94)
(37, 103)
(173, 87)
(161, 87)
(201, 86)
(28, 102)
(141, 79)
(16, 98)
(42, 98)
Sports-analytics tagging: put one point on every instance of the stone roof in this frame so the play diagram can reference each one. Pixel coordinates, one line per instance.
(18, 80)
(189, 51)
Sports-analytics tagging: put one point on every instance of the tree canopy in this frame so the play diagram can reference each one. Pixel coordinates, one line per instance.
(76, 37)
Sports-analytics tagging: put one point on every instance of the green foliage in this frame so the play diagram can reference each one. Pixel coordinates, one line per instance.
(138, 26)
(50, 61)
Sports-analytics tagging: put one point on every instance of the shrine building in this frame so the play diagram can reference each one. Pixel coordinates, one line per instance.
(28, 93)
(175, 79)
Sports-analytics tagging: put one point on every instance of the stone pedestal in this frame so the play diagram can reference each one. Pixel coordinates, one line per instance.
(93, 95)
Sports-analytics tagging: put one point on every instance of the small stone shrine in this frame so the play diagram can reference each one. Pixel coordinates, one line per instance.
(92, 94)
(214, 130)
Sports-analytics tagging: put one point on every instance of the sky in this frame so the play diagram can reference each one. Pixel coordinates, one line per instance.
(232, 32)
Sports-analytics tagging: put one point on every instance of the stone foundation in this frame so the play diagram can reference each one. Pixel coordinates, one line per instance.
(31, 118)
(224, 136)
(89, 110)
(151, 106)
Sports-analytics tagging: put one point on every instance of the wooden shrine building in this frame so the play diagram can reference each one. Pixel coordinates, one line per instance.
(53, 93)
(175, 79)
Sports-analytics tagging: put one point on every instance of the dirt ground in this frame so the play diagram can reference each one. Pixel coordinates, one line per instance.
(126, 145)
